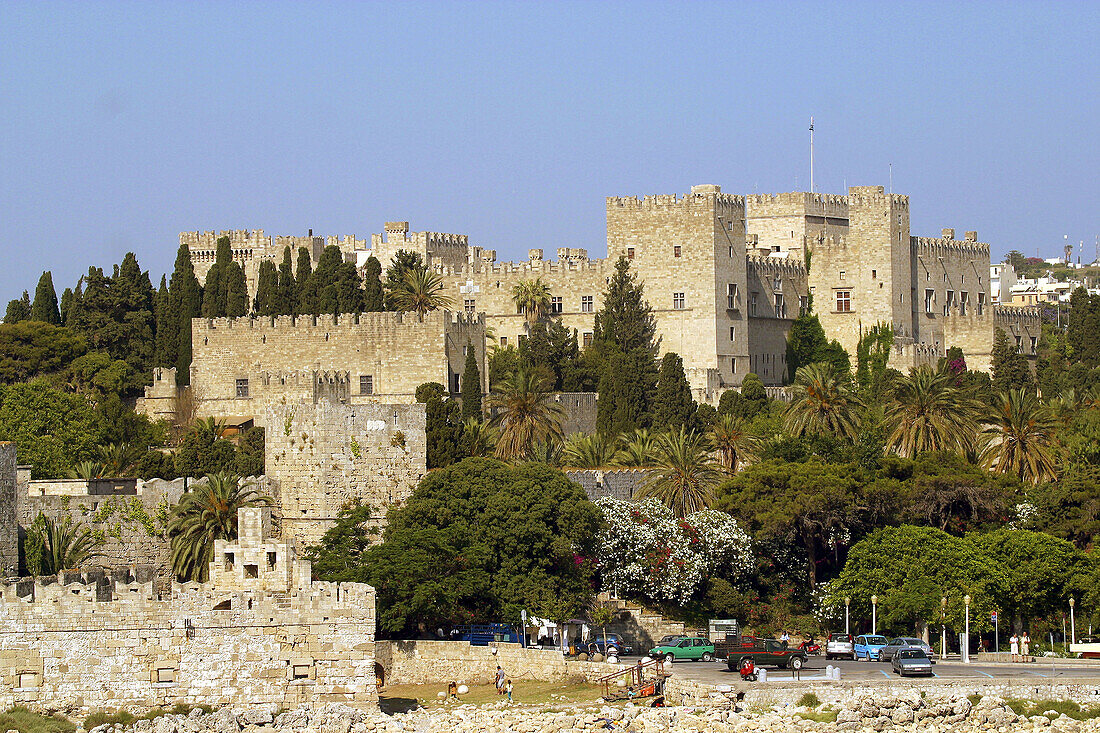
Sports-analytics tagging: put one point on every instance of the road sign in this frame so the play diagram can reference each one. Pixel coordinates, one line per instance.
(993, 617)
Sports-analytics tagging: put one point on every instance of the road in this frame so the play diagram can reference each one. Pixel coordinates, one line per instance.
(716, 672)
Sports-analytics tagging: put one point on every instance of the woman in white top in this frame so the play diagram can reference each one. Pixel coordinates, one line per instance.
(1014, 646)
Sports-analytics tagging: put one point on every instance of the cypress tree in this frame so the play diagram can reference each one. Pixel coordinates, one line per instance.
(320, 295)
(236, 291)
(267, 290)
(625, 321)
(301, 283)
(66, 304)
(19, 309)
(625, 392)
(471, 386)
(372, 286)
(1010, 369)
(44, 307)
(754, 395)
(286, 301)
(185, 296)
(166, 326)
(215, 287)
(673, 406)
(131, 315)
(349, 289)
(72, 313)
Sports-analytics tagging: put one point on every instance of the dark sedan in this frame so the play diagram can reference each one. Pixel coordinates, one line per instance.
(911, 660)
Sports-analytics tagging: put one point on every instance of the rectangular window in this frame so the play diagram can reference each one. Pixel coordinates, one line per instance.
(28, 680)
(468, 305)
(522, 339)
(1034, 343)
(242, 388)
(803, 304)
(874, 274)
(844, 301)
(752, 303)
(733, 333)
(503, 341)
(964, 300)
(678, 301)
(948, 302)
(300, 672)
(732, 297)
(555, 305)
(733, 366)
(456, 383)
(586, 339)
(1018, 344)
(165, 675)
(272, 557)
(366, 384)
(630, 253)
(731, 253)
(587, 304)
(929, 300)
(780, 306)
(676, 251)
(228, 562)
(842, 274)
(981, 303)
(251, 571)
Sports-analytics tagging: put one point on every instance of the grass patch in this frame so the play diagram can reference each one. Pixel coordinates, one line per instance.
(1052, 709)
(23, 720)
(525, 692)
(974, 699)
(99, 717)
(809, 700)
(821, 716)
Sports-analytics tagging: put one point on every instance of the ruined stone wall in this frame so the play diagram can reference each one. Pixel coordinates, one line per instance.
(9, 524)
(111, 641)
(320, 457)
(357, 359)
(424, 662)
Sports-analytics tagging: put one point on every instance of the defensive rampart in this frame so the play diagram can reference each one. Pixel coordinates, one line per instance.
(420, 662)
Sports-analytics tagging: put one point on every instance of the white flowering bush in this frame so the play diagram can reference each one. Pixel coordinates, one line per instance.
(644, 550)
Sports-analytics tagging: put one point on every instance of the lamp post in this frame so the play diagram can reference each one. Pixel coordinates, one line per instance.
(1072, 625)
(874, 614)
(966, 634)
(943, 628)
(847, 602)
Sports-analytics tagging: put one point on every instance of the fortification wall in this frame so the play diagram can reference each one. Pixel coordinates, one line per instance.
(1024, 327)
(441, 248)
(9, 524)
(423, 662)
(783, 222)
(320, 457)
(258, 633)
(241, 366)
(580, 411)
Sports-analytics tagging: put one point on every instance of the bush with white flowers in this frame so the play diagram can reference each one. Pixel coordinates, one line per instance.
(644, 550)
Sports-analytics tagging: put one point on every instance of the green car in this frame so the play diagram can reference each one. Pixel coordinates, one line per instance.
(693, 648)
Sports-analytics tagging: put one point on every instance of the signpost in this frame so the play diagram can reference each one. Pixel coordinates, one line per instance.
(996, 632)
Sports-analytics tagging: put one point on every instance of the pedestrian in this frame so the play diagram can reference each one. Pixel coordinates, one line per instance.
(784, 636)
(500, 680)
(1025, 648)
(452, 690)
(508, 689)
(1014, 646)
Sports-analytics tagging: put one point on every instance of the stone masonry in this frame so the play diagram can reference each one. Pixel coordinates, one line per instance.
(9, 524)
(259, 632)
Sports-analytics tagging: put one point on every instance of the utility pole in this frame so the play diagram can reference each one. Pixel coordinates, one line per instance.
(811, 154)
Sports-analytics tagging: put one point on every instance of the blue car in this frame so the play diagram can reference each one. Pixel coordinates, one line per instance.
(867, 646)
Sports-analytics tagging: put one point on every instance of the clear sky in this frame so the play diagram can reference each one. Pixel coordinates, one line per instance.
(126, 123)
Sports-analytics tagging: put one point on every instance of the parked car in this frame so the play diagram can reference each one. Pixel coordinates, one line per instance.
(765, 653)
(670, 639)
(903, 642)
(867, 645)
(612, 644)
(695, 648)
(911, 660)
(839, 645)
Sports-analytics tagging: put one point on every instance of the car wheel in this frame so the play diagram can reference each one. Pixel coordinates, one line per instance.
(796, 663)
(881, 657)
(828, 657)
(854, 657)
(707, 657)
(670, 658)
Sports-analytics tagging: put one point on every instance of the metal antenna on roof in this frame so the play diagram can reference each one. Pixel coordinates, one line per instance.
(811, 154)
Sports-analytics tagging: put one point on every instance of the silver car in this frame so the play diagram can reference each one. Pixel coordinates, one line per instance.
(839, 646)
(911, 660)
(886, 653)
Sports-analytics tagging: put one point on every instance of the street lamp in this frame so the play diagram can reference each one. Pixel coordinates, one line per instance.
(1072, 625)
(847, 602)
(943, 628)
(874, 615)
(966, 634)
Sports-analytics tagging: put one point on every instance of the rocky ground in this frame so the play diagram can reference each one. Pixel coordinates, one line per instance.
(865, 711)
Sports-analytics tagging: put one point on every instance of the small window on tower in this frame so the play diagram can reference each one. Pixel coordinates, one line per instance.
(842, 274)
(630, 253)
(469, 305)
(676, 251)
(555, 304)
(366, 384)
(844, 301)
(677, 301)
(874, 274)
(242, 388)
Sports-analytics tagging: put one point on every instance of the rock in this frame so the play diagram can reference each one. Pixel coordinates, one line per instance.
(259, 715)
(902, 714)
(223, 721)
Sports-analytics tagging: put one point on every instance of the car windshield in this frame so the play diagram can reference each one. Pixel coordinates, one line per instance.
(914, 642)
(912, 654)
(877, 640)
(839, 637)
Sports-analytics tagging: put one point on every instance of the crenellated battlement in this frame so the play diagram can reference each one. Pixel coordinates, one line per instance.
(875, 196)
(349, 321)
(771, 266)
(535, 267)
(797, 203)
(1009, 313)
(936, 247)
(701, 197)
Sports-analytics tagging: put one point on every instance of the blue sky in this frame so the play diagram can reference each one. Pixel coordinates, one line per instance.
(125, 123)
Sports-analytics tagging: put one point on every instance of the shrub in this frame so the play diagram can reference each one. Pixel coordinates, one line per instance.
(808, 700)
(22, 719)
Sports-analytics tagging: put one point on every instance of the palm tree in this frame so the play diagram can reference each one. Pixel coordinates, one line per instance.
(1066, 405)
(421, 291)
(210, 428)
(732, 441)
(478, 438)
(1021, 437)
(595, 450)
(525, 414)
(928, 412)
(55, 546)
(638, 449)
(207, 513)
(685, 474)
(532, 298)
(119, 459)
(822, 402)
(86, 470)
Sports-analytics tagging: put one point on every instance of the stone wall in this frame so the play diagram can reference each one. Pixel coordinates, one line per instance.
(319, 457)
(617, 483)
(421, 662)
(258, 633)
(9, 522)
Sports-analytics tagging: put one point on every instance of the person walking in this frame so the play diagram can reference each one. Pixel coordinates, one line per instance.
(500, 680)
(508, 689)
(1014, 646)
(1025, 648)
(452, 690)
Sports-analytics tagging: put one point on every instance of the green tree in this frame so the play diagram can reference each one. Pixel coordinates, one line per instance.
(58, 546)
(52, 430)
(236, 291)
(525, 413)
(1069, 508)
(532, 299)
(822, 403)
(207, 513)
(116, 313)
(1021, 436)
(165, 327)
(421, 292)
(927, 412)
(1010, 369)
(203, 451)
(806, 344)
(638, 449)
(44, 308)
(66, 304)
(342, 555)
(249, 460)
(97, 374)
(266, 302)
(303, 272)
(185, 298)
(943, 491)
(684, 473)
(29, 349)
(216, 287)
(552, 349)
(733, 442)
(673, 406)
(18, 310)
(403, 263)
(625, 320)
(589, 450)
(286, 302)
(373, 295)
(872, 354)
(334, 287)
(626, 391)
(471, 386)
(477, 540)
(443, 425)
(754, 396)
